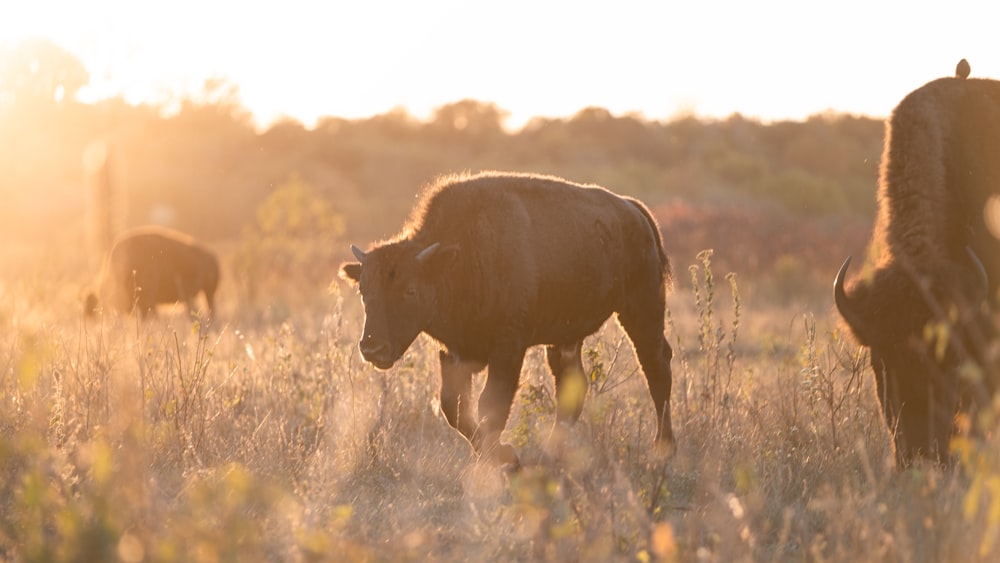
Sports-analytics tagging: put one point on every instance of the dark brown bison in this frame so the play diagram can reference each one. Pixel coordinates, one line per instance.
(153, 265)
(922, 307)
(492, 264)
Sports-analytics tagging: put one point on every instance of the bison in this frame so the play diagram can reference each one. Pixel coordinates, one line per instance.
(922, 307)
(492, 264)
(148, 266)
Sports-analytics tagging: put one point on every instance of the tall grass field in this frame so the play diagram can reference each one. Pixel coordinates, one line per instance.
(263, 436)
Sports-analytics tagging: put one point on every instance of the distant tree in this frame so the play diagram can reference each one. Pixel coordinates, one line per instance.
(204, 163)
(615, 138)
(396, 124)
(591, 120)
(284, 134)
(43, 130)
(468, 120)
(39, 73)
(218, 100)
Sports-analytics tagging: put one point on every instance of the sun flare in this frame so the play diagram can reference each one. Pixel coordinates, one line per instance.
(310, 60)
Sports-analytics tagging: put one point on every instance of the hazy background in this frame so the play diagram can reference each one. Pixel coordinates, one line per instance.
(752, 129)
(771, 59)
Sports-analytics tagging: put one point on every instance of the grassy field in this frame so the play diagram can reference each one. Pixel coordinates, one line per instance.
(265, 437)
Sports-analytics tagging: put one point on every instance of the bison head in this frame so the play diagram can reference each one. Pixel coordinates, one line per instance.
(920, 333)
(399, 285)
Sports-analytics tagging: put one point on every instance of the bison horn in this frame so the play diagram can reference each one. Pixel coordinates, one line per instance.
(358, 253)
(428, 252)
(977, 264)
(844, 306)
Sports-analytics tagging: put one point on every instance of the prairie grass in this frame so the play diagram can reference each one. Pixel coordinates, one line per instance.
(264, 437)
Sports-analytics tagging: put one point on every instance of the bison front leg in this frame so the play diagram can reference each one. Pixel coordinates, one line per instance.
(494, 406)
(919, 414)
(571, 382)
(456, 392)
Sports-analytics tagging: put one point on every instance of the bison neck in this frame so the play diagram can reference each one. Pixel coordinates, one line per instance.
(468, 341)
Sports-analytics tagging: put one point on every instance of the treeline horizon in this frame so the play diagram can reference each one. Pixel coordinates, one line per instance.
(206, 169)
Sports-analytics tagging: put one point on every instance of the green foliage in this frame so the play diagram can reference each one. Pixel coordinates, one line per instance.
(711, 382)
(803, 193)
(980, 461)
(295, 236)
(535, 402)
(295, 211)
(824, 384)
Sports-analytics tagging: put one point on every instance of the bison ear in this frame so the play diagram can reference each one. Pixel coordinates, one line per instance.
(350, 272)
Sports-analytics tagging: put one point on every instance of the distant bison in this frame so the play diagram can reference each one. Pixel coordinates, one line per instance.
(923, 309)
(153, 265)
(492, 264)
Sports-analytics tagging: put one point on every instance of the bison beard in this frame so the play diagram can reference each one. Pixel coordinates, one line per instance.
(492, 264)
(923, 310)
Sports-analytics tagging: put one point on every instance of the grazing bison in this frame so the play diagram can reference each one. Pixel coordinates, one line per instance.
(495, 263)
(152, 265)
(922, 309)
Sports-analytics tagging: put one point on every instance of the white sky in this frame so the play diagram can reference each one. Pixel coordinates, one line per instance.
(771, 59)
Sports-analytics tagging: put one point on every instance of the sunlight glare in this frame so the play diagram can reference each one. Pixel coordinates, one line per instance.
(991, 215)
(307, 60)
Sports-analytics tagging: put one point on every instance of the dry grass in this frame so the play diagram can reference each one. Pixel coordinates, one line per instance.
(264, 439)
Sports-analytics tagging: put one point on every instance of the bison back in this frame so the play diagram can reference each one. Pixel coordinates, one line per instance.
(165, 267)
(554, 251)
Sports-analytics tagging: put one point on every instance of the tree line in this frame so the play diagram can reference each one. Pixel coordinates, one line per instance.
(203, 167)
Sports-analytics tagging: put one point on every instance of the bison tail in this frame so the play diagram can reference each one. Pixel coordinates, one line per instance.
(665, 268)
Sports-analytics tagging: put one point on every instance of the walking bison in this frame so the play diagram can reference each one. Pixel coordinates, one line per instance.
(492, 264)
(153, 265)
(924, 307)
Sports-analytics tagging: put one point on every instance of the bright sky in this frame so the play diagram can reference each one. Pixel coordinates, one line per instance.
(770, 59)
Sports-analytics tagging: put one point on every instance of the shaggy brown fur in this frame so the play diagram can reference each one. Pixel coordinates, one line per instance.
(938, 169)
(153, 265)
(492, 264)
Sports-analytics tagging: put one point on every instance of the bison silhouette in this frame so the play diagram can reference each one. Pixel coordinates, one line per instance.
(922, 307)
(492, 264)
(149, 266)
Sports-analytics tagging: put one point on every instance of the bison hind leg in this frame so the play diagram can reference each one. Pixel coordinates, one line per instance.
(210, 302)
(566, 365)
(645, 328)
